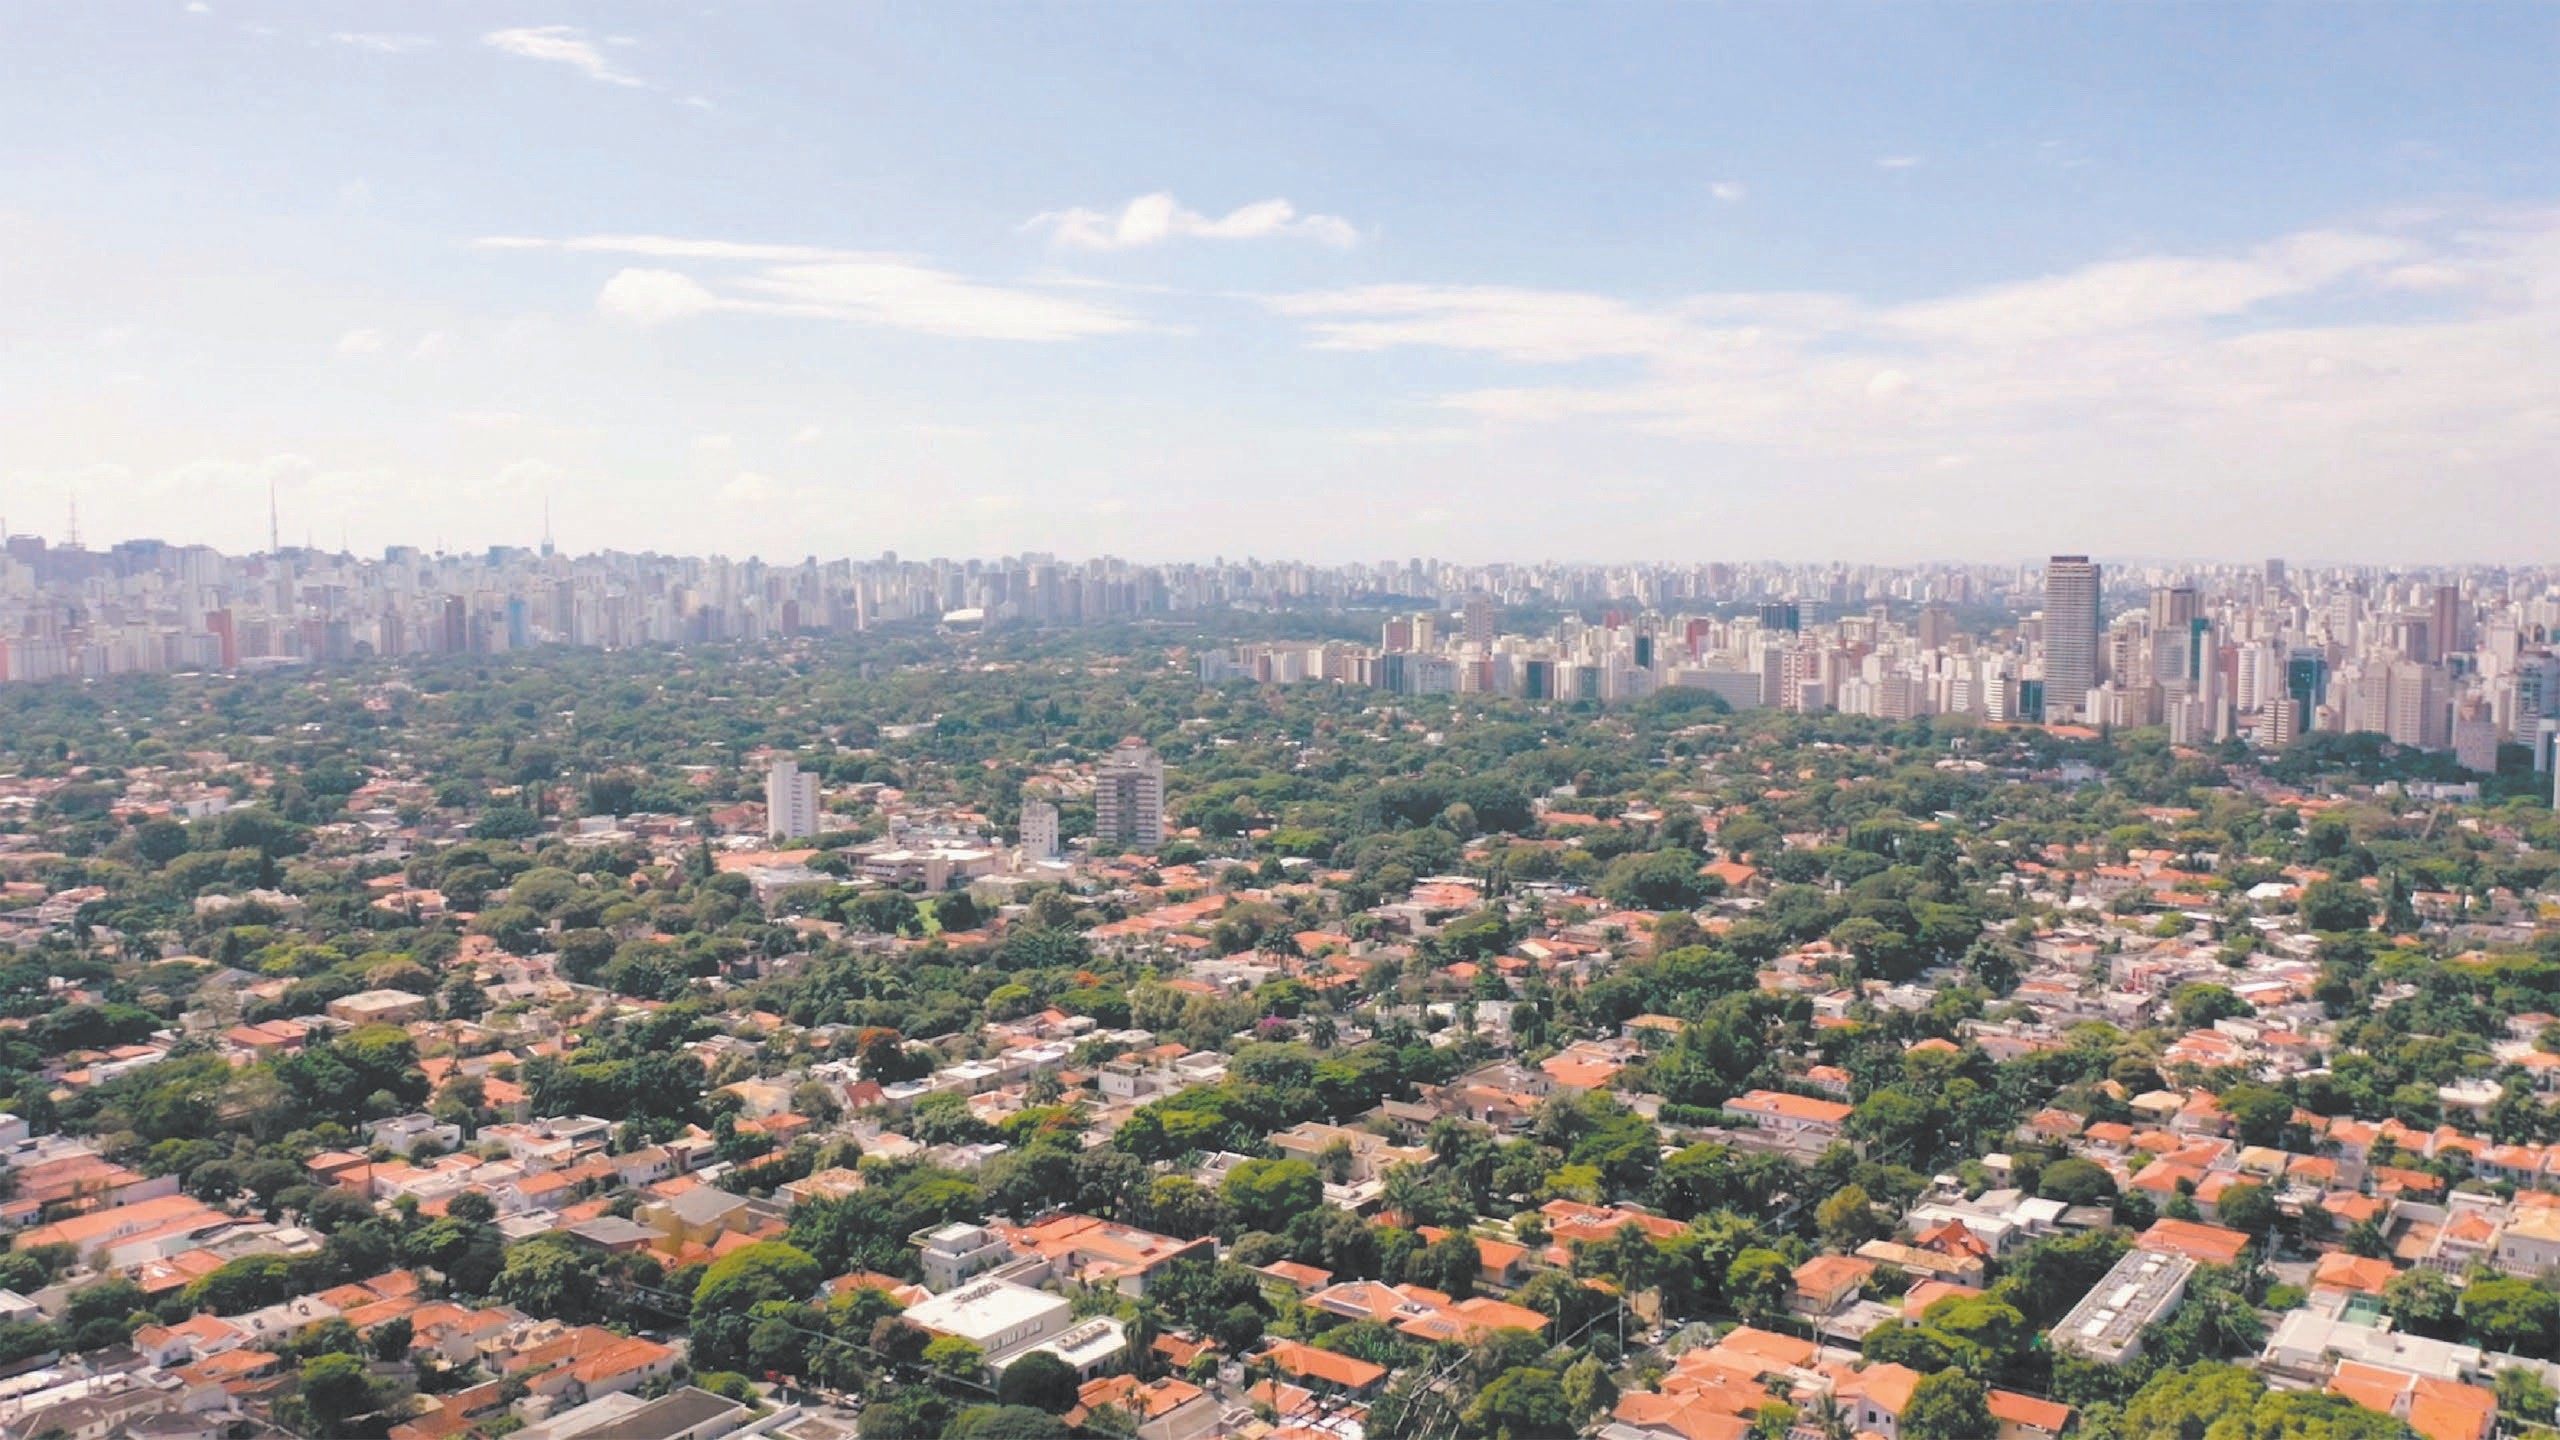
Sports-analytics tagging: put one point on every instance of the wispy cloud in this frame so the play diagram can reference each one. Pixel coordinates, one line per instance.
(1154, 219)
(1730, 192)
(820, 282)
(562, 45)
(2384, 345)
(382, 43)
(1897, 162)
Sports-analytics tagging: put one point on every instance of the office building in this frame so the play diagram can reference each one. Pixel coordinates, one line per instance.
(790, 802)
(2072, 586)
(1128, 799)
(2415, 713)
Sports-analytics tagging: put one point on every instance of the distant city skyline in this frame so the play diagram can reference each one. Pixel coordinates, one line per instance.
(1866, 281)
(1383, 553)
(2438, 659)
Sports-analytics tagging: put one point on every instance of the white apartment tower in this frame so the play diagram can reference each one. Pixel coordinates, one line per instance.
(2071, 615)
(1039, 829)
(1128, 798)
(790, 802)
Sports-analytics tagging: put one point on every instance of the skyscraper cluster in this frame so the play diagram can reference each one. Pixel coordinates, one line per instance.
(2461, 661)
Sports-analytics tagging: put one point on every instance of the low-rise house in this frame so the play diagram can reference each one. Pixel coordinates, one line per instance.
(1825, 1283)
(2437, 1409)
(1876, 1398)
(2024, 1417)
(1793, 1114)
(997, 1316)
(954, 1253)
(381, 1007)
(1103, 1252)
(1422, 1313)
(1326, 1371)
(2205, 1244)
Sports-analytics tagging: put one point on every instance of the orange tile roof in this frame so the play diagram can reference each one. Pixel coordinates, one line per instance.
(2209, 1244)
(1887, 1384)
(1348, 1371)
(2339, 1270)
(1791, 1107)
(2011, 1408)
(1688, 1416)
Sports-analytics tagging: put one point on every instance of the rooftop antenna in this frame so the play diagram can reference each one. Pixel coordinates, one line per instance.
(275, 545)
(546, 527)
(74, 542)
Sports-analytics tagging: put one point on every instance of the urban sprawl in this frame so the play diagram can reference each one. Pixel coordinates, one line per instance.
(637, 997)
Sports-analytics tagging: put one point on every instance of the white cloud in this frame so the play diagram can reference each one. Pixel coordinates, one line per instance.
(2129, 294)
(904, 296)
(562, 45)
(1154, 219)
(644, 296)
(2262, 361)
(1729, 192)
(1897, 162)
(434, 345)
(818, 282)
(382, 43)
(360, 342)
(1540, 326)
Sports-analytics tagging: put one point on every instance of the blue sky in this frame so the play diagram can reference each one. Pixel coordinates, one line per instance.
(1330, 281)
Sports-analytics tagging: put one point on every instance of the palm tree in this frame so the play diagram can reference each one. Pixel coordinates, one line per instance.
(1829, 1418)
(1323, 1030)
(1403, 1188)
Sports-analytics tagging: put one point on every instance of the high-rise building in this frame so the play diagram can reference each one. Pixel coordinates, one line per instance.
(2445, 628)
(790, 801)
(2306, 681)
(1128, 797)
(1481, 618)
(2176, 661)
(2071, 614)
(2415, 713)
(2475, 744)
(1039, 829)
